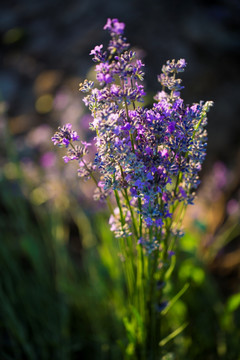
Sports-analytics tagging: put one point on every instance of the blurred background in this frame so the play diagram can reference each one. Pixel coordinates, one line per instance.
(58, 276)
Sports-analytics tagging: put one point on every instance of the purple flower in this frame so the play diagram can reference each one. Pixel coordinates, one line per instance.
(164, 153)
(138, 183)
(66, 159)
(115, 90)
(149, 221)
(86, 145)
(104, 73)
(171, 127)
(149, 176)
(65, 142)
(108, 25)
(74, 136)
(159, 222)
(133, 191)
(114, 26)
(148, 150)
(96, 50)
(64, 136)
(174, 67)
(182, 192)
(164, 197)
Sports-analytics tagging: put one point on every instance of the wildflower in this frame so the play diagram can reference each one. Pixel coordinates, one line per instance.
(64, 136)
(154, 154)
(114, 26)
(86, 86)
(149, 158)
(148, 147)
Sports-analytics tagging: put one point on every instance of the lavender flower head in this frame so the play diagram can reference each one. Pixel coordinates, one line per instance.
(64, 136)
(150, 157)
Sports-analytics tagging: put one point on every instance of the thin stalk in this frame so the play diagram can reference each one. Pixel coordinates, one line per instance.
(95, 180)
(131, 212)
(198, 124)
(126, 110)
(125, 194)
(119, 207)
(140, 216)
(141, 285)
(129, 271)
(152, 306)
(141, 301)
(133, 103)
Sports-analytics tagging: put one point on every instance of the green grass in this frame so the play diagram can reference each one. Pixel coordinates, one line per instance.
(59, 302)
(52, 306)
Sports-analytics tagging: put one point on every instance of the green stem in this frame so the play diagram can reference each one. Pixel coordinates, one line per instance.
(126, 109)
(128, 264)
(131, 212)
(132, 86)
(119, 207)
(140, 216)
(125, 194)
(152, 306)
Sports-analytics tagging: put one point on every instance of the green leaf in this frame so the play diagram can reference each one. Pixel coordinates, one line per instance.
(175, 298)
(169, 356)
(171, 267)
(173, 335)
(233, 302)
(137, 316)
(129, 325)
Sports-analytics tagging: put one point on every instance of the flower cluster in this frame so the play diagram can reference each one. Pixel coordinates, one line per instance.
(154, 155)
(147, 165)
(150, 156)
(64, 137)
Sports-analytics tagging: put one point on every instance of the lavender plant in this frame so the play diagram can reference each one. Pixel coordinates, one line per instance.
(146, 168)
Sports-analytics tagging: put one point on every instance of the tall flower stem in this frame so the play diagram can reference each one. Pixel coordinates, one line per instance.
(125, 247)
